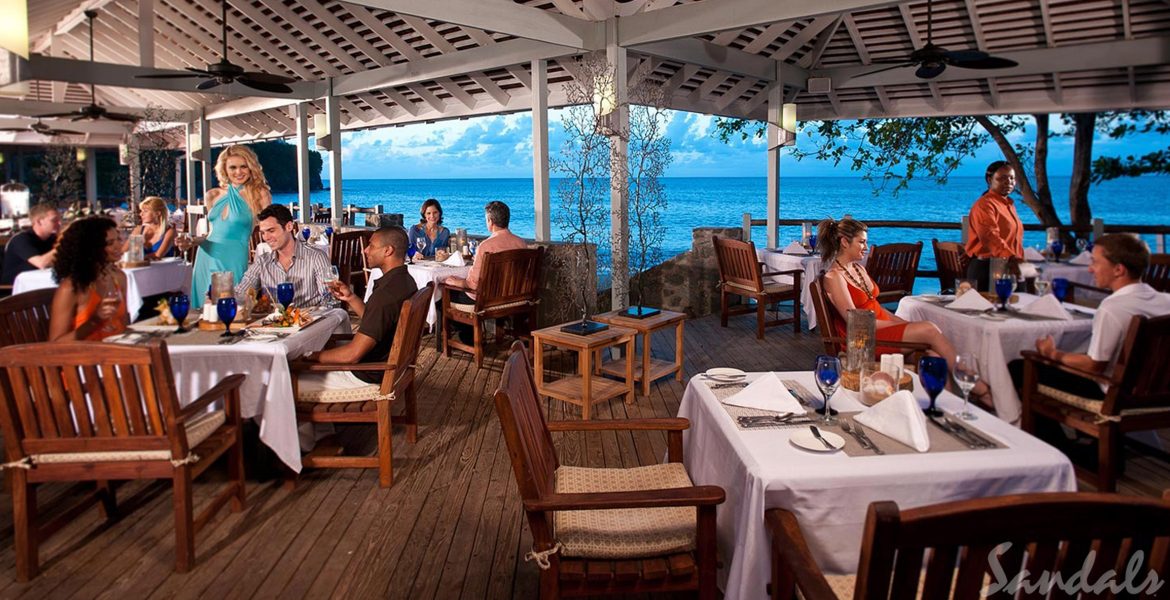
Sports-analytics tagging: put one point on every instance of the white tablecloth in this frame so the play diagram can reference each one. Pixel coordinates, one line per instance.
(776, 260)
(995, 343)
(166, 275)
(760, 469)
(424, 273)
(267, 392)
(1075, 273)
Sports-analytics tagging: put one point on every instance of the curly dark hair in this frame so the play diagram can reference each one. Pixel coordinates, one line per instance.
(81, 251)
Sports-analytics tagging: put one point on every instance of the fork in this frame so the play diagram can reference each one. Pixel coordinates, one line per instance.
(856, 430)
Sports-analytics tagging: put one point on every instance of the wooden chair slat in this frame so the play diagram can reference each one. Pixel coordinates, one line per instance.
(150, 400)
(940, 571)
(75, 393)
(97, 402)
(597, 571)
(625, 571)
(24, 318)
(509, 286)
(131, 401)
(741, 274)
(572, 570)
(1157, 275)
(29, 418)
(112, 398)
(894, 267)
(1012, 561)
(654, 569)
(972, 568)
(907, 570)
(71, 421)
(42, 404)
(681, 565)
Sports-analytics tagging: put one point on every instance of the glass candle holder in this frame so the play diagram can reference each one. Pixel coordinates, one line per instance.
(860, 327)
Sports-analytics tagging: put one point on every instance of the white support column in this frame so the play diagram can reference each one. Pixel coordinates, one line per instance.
(135, 167)
(303, 191)
(146, 33)
(619, 185)
(178, 191)
(775, 110)
(208, 164)
(190, 166)
(540, 190)
(91, 179)
(333, 113)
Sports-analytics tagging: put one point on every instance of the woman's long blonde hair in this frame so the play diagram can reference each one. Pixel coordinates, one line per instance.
(156, 205)
(256, 185)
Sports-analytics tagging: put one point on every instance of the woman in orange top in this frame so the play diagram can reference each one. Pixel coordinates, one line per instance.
(90, 303)
(995, 227)
(848, 286)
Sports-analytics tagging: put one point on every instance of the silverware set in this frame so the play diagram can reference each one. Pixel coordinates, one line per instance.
(750, 421)
(855, 429)
(817, 434)
(966, 436)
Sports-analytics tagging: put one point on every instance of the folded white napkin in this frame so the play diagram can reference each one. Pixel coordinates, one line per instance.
(795, 248)
(900, 418)
(1028, 270)
(455, 260)
(263, 248)
(767, 392)
(1033, 255)
(1047, 306)
(1083, 259)
(972, 300)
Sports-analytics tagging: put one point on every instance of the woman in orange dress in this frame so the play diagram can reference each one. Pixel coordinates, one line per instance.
(90, 303)
(848, 286)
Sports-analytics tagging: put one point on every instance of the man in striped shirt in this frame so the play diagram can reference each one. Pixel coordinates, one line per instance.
(290, 260)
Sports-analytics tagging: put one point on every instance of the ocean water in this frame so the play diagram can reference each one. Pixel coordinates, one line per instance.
(699, 202)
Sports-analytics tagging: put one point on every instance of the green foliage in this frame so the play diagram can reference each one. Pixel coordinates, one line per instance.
(56, 176)
(1117, 125)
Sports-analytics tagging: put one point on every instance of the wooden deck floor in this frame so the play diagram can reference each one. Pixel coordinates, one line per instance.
(450, 527)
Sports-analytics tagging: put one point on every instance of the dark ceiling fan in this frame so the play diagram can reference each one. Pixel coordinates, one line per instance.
(43, 129)
(933, 60)
(225, 72)
(93, 112)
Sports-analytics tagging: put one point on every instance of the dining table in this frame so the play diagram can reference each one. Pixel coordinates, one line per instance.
(1066, 270)
(830, 491)
(159, 277)
(200, 359)
(997, 338)
(776, 259)
(425, 271)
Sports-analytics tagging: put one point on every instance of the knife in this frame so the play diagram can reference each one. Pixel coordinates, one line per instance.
(817, 434)
(983, 441)
(953, 433)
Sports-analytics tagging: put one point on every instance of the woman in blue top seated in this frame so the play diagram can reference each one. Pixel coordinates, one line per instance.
(157, 235)
(430, 228)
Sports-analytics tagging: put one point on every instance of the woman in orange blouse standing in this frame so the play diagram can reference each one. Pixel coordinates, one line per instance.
(995, 227)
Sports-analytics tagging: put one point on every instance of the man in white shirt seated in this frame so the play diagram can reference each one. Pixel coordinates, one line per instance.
(290, 260)
(1119, 260)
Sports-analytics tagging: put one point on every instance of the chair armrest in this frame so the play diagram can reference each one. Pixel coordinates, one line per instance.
(1034, 356)
(219, 390)
(700, 495)
(792, 559)
(668, 424)
(301, 366)
(793, 272)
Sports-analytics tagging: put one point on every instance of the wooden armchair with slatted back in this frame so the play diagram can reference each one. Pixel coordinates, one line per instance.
(347, 253)
(959, 549)
(1157, 275)
(508, 286)
(894, 267)
(90, 411)
(591, 528)
(951, 260)
(741, 274)
(832, 325)
(24, 318)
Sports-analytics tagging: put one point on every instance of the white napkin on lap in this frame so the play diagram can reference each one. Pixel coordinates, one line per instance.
(898, 417)
(767, 392)
(795, 248)
(972, 300)
(1047, 306)
(1083, 259)
(1033, 255)
(456, 260)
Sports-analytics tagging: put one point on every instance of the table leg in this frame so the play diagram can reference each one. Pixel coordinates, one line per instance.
(630, 369)
(439, 326)
(584, 358)
(645, 363)
(678, 351)
(538, 363)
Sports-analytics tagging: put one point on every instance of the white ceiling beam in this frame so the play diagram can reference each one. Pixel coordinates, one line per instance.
(402, 101)
(707, 87)
(74, 18)
(798, 41)
(911, 26)
(976, 25)
(244, 46)
(858, 41)
(813, 58)
(680, 77)
(430, 34)
(706, 54)
(314, 57)
(1126, 22)
(992, 92)
(734, 93)
(330, 20)
(456, 92)
(1046, 21)
(98, 127)
(490, 88)
(313, 32)
(759, 99)
(883, 98)
(146, 33)
(1086, 57)
(502, 16)
(524, 77)
(427, 97)
(767, 36)
(379, 105)
(380, 29)
(698, 18)
(570, 9)
(32, 108)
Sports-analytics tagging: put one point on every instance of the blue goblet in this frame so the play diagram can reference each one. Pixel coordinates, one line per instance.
(828, 375)
(1060, 288)
(226, 309)
(932, 371)
(1004, 286)
(1057, 249)
(306, 233)
(329, 232)
(180, 305)
(812, 243)
(284, 293)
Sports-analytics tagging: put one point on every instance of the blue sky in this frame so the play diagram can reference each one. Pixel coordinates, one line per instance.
(501, 146)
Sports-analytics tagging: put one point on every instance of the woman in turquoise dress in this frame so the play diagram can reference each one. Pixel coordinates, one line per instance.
(231, 214)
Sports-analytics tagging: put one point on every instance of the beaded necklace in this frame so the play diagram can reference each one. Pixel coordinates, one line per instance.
(859, 282)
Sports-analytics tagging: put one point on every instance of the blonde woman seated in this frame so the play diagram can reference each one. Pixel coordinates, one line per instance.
(158, 239)
(90, 303)
(848, 286)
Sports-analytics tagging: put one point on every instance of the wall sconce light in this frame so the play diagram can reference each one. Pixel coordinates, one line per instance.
(322, 132)
(786, 128)
(1, 158)
(195, 145)
(14, 26)
(605, 104)
(124, 154)
(82, 154)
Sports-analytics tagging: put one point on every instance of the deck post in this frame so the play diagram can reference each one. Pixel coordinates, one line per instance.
(304, 191)
(205, 148)
(333, 114)
(1098, 227)
(190, 164)
(540, 191)
(964, 228)
(619, 190)
(91, 180)
(775, 109)
(747, 227)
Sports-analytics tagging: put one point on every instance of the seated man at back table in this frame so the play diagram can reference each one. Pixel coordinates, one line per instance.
(290, 260)
(379, 317)
(32, 249)
(1119, 260)
(497, 216)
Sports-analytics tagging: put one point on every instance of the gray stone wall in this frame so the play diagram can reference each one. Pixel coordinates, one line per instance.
(556, 302)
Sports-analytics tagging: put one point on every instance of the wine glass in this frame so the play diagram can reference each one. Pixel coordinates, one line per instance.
(180, 305)
(306, 233)
(284, 294)
(966, 376)
(1057, 248)
(828, 375)
(226, 309)
(1060, 288)
(184, 237)
(330, 278)
(1082, 243)
(1041, 286)
(932, 371)
(421, 243)
(108, 288)
(1004, 286)
(472, 246)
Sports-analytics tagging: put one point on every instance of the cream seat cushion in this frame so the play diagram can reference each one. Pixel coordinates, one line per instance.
(198, 430)
(1089, 404)
(336, 386)
(624, 533)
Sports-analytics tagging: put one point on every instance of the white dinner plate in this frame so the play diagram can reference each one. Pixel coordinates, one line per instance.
(169, 259)
(803, 438)
(725, 374)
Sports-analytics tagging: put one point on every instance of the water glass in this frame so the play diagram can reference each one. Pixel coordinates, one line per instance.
(305, 233)
(180, 305)
(285, 293)
(966, 376)
(1004, 286)
(1041, 286)
(1082, 243)
(1060, 288)
(932, 371)
(226, 309)
(828, 375)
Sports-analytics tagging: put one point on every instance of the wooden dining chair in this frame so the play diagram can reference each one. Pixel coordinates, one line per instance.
(509, 286)
(951, 260)
(89, 411)
(347, 253)
(1137, 397)
(24, 318)
(830, 323)
(959, 549)
(1157, 275)
(894, 267)
(372, 403)
(606, 531)
(741, 274)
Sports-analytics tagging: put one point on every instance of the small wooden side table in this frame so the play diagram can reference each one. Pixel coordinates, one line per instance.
(648, 364)
(585, 388)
